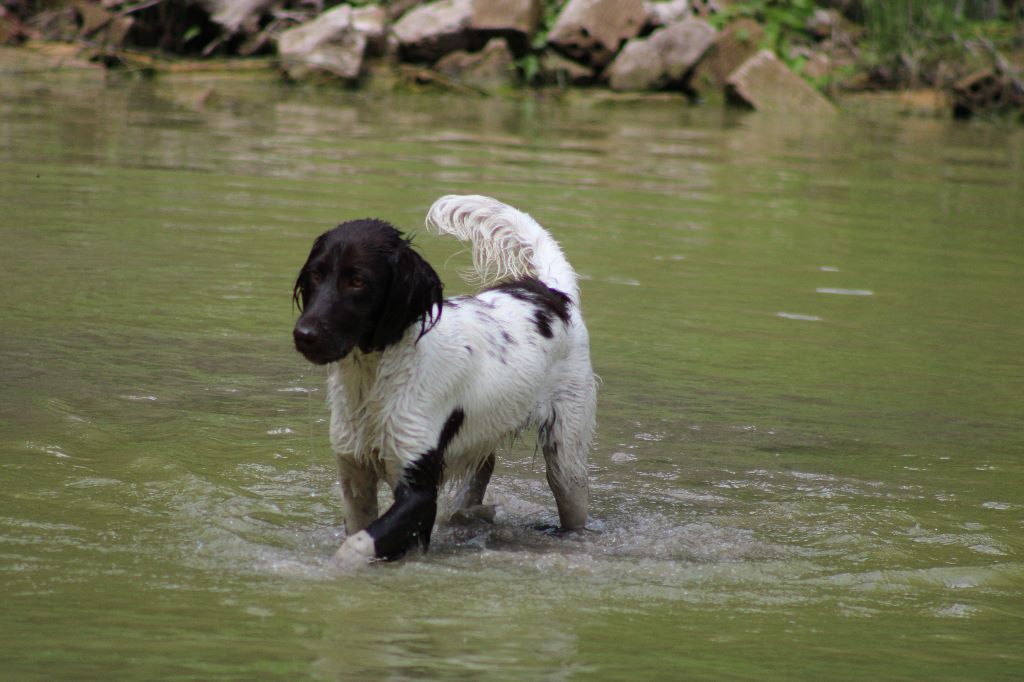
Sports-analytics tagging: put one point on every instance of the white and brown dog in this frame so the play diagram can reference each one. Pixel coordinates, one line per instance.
(424, 389)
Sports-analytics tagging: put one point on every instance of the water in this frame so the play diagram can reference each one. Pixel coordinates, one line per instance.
(809, 461)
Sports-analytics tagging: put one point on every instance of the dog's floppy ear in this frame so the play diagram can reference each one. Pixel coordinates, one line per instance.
(414, 294)
(303, 287)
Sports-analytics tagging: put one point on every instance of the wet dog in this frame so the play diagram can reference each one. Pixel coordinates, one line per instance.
(424, 389)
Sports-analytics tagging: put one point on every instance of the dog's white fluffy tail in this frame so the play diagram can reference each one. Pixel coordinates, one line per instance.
(506, 242)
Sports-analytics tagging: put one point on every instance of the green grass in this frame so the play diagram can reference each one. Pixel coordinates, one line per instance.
(897, 27)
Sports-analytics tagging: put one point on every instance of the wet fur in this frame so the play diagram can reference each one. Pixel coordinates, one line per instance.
(423, 389)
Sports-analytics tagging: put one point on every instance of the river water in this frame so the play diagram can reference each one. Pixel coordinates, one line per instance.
(810, 455)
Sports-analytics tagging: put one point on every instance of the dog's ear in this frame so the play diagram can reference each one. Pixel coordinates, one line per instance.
(303, 286)
(414, 294)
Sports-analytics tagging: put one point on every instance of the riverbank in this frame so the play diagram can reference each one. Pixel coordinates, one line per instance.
(795, 56)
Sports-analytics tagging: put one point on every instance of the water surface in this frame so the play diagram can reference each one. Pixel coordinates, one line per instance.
(809, 459)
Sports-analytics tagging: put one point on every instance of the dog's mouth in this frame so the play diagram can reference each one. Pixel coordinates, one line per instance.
(320, 353)
(320, 358)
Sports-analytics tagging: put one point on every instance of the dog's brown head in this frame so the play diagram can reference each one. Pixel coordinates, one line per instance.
(361, 287)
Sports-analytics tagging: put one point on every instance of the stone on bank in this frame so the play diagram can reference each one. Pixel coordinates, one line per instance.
(492, 68)
(765, 83)
(334, 43)
(662, 59)
(592, 31)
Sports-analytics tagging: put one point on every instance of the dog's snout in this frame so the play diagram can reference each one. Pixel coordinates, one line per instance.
(305, 334)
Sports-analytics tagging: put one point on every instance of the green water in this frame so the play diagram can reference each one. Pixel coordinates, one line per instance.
(810, 454)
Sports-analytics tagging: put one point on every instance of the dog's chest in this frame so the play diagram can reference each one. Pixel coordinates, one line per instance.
(356, 412)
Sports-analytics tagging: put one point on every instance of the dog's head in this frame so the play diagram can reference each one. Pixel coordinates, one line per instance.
(362, 287)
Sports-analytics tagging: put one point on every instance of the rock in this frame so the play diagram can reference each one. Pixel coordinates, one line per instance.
(764, 83)
(489, 69)
(822, 22)
(101, 26)
(637, 67)
(397, 8)
(924, 102)
(94, 17)
(508, 18)
(591, 31)
(372, 21)
(329, 44)
(236, 16)
(985, 91)
(682, 45)
(817, 66)
(663, 58)
(554, 69)
(667, 12)
(428, 32)
(736, 43)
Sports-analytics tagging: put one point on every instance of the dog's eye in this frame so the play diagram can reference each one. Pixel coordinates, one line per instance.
(315, 278)
(356, 282)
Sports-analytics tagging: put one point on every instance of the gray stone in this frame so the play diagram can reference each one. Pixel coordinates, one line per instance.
(591, 31)
(330, 44)
(554, 69)
(506, 16)
(764, 83)
(663, 58)
(430, 31)
(682, 44)
(372, 21)
(637, 67)
(665, 13)
(489, 69)
(237, 16)
(733, 45)
(396, 8)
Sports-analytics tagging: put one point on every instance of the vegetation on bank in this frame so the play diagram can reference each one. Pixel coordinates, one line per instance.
(971, 49)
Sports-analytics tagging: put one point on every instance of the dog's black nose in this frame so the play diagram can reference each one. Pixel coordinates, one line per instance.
(305, 335)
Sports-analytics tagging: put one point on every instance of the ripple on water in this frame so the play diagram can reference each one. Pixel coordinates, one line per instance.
(845, 292)
(799, 316)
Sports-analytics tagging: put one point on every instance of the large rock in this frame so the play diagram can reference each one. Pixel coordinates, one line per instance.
(236, 16)
(735, 44)
(491, 68)
(100, 26)
(591, 31)
(430, 31)
(662, 59)
(510, 18)
(682, 45)
(372, 21)
(766, 84)
(554, 69)
(667, 12)
(637, 67)
(330, 44)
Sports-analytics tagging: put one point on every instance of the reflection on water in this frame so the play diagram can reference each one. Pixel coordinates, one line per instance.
(808, 337)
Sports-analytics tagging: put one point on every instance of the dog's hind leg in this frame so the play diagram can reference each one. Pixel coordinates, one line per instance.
(476, 485)
(470, 499)
(359, 483)
(565, 441)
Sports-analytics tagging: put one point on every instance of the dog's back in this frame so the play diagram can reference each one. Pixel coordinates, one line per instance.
(437, 402)
(538, 368)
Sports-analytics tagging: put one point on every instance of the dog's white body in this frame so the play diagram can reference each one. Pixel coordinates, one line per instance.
(489, 357)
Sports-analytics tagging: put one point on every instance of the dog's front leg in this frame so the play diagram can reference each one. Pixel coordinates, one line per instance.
(407, 524)
(358, 480)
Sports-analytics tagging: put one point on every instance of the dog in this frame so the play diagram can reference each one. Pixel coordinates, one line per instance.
(423, 390)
